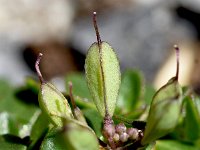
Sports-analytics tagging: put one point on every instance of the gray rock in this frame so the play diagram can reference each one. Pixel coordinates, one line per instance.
(12, 67)
(141, 37)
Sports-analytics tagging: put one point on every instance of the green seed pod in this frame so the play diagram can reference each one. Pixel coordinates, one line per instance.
(103, 75)
(165, 109)
(51, 101)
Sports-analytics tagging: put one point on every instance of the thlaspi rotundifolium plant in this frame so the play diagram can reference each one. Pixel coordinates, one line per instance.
(103, 77)
(101, 110)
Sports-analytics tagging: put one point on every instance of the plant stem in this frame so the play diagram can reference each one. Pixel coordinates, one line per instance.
(96, 28)
(38, 68)
(71, 95)
(109, 131)
(72, 99)
(101, 60)
(177, 61)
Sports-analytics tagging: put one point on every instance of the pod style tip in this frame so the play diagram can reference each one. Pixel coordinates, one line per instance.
(38, 68)
(177, 60)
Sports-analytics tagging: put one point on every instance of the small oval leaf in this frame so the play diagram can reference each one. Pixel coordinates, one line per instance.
(51, 141)
(39, 128)
(76, 137)
(72, 136)
(192, 120)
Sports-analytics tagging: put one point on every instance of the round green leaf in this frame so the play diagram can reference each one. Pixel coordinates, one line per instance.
(51, 141)
(77, 137)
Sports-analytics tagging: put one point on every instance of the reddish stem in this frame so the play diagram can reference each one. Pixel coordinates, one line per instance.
(71, 95)
(109, 130)
(38, 68)
(177, 60)
(100, 52)
(96, 28)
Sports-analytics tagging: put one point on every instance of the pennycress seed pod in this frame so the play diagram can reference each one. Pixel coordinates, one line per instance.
(103, 78)
(102, 74)
(51, 101)
(165, 108)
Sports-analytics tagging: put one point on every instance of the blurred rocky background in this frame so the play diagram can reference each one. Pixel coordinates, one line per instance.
(142, 32)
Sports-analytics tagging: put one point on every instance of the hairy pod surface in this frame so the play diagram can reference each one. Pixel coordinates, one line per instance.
(53, 103)
(164, 111)
(103, 76)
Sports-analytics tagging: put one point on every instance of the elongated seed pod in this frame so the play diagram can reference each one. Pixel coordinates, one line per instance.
(103, 75)
(51, 101)
(165, 109)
